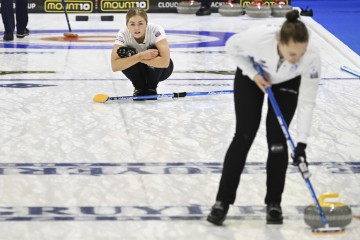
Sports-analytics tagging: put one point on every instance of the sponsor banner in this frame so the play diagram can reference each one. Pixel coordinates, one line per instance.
(154, 168)
(72, 6)
(34, 6)
(141, 213)
(123, 5)
(267, 2)
(117, 6)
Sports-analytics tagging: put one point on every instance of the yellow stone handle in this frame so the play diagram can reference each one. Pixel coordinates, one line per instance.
(329, 204)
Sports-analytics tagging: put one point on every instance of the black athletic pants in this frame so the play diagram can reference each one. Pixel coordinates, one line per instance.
(248, 105)
(144, 77)
(7, 14)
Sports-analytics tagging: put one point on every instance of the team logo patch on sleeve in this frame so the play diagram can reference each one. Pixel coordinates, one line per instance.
(157, 34)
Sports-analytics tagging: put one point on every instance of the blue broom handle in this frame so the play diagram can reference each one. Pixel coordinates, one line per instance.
(193, 94)
(280, 118)
(302, 166)
(277, 111)
(66, 15)
(174, 95)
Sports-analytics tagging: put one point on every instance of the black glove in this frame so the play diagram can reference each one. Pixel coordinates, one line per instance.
(124, 52)
(299, 154)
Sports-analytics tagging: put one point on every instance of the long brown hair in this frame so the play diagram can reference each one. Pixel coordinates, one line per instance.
(136, 12)
(293, 29)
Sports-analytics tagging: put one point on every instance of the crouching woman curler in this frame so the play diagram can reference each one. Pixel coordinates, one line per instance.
(142, 53)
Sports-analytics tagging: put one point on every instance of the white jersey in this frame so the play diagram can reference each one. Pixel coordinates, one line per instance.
(154, 33)
(260, 44)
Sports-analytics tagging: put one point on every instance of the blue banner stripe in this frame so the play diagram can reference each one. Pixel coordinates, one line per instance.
(140, 213)
(154, 168)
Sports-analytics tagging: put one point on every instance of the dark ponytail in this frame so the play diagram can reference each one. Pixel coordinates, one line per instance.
(293, 29)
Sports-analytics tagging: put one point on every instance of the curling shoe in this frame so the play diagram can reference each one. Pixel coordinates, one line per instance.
(203, 11)
(23, 34)
(8, 36)
(151, 92)
(138, 93)
(218, 213)
(274, 214)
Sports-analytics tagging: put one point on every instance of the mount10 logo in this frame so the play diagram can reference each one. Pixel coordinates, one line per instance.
(122, 5)
(74, 6)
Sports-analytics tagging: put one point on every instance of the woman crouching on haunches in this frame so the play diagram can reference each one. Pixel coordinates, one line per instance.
(142, 53)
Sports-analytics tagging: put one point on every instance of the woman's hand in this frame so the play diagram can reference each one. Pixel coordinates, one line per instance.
(261, 82)
(150, 54)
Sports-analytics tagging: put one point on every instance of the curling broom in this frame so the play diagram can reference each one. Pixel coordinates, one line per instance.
(102, 98)
(69, 34)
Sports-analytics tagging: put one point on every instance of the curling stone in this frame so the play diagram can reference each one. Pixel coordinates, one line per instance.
(188, 7)
(280, 8)
(230, 9)
(258, 9)
(336, 213)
